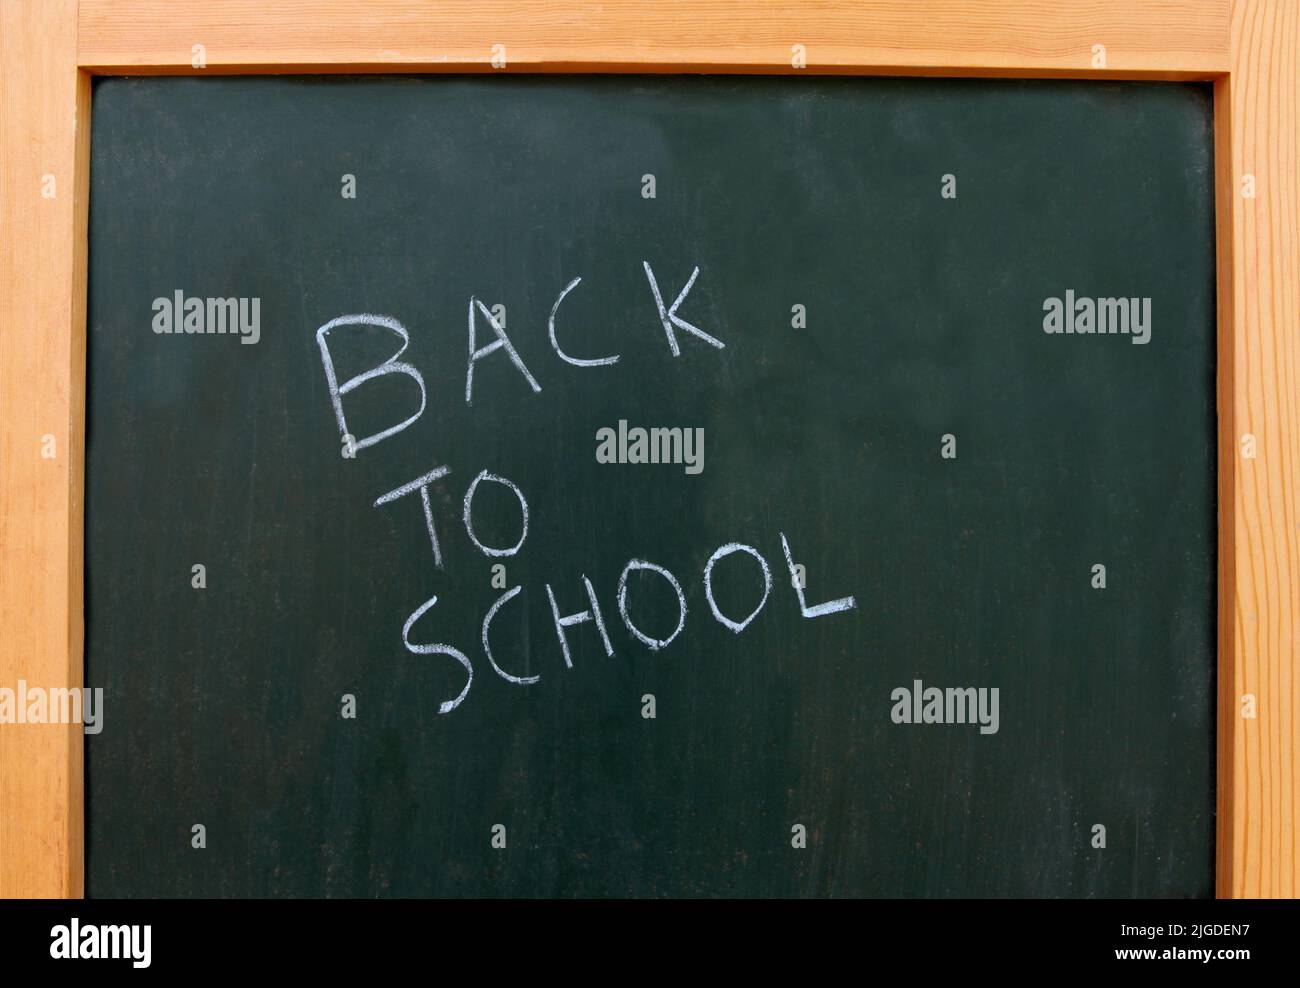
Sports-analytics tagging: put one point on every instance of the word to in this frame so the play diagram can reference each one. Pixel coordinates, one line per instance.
(236, 316)
(37, 705)
(933, 705)
(655, 445)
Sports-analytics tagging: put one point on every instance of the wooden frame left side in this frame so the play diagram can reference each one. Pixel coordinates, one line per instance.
(44, 192)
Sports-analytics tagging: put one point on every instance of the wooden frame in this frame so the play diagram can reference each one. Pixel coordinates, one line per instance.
(1250, 49)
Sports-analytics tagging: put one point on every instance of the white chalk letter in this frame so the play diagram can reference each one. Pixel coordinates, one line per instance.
(569, 621)
(422, 485)
(502, 340)
(469, 525)
(447, 706)
(487, 649)
(390, 366)
(550, 329)
(819, 610)
(669, 315)
(653, 644)
(727, 550)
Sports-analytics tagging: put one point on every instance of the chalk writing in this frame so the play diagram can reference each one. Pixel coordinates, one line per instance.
(664, 445)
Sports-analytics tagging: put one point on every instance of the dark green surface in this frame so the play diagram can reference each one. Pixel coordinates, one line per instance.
(223, 705)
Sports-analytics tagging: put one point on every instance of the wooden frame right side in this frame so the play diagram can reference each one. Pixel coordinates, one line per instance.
(1257, 193)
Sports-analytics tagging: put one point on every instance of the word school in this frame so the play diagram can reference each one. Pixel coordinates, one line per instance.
(1102, 316)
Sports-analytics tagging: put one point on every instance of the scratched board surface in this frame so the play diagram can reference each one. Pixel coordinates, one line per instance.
(976, 541)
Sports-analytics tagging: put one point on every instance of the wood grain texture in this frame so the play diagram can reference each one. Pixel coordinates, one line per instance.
(1143, 38)
(1259, 357)
(44, 130)
(42, 271)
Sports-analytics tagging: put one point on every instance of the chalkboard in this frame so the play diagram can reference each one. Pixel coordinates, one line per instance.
(918, 601)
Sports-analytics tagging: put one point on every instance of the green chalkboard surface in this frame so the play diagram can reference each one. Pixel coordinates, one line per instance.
(916, 600)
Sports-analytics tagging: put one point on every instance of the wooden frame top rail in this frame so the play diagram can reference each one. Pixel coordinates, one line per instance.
(1186, 39)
